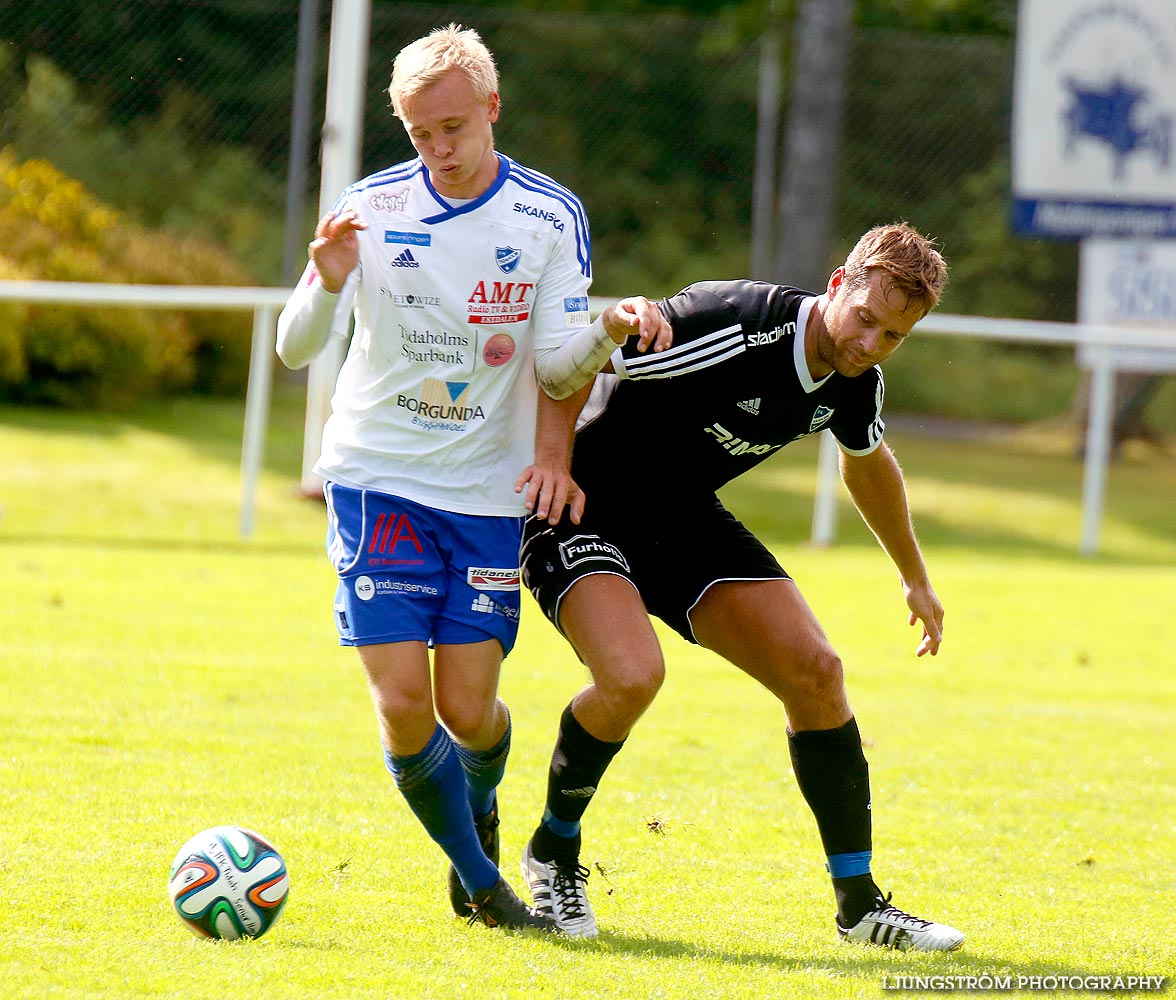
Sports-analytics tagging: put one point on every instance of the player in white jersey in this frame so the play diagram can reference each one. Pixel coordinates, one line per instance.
(467, 275)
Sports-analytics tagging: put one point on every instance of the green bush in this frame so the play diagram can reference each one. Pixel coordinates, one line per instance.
(52, 228)
(156, 169)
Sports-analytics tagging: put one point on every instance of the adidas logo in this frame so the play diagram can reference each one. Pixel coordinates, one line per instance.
(579, 793)
(405, 259)
(751, 406)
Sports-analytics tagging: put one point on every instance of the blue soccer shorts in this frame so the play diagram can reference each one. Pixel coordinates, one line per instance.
(411, 572)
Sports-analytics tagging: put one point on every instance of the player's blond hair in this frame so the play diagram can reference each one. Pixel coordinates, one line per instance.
(912, 264)
(422, 63)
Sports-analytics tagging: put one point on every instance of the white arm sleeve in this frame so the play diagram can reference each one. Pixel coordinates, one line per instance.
(306, 322)
(564, 369)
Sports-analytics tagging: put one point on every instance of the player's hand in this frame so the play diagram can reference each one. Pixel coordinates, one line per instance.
(637, 315)
(335, 247)
(550, 489)
(925, 608)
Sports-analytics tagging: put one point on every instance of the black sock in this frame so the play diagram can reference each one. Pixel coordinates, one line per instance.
(856, 896)
(578, 762)
(834, 778)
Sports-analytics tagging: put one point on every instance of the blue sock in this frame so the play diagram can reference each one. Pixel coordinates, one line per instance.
(434, 785)
(483, 771)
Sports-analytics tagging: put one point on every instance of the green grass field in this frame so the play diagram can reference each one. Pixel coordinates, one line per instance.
(158, 677)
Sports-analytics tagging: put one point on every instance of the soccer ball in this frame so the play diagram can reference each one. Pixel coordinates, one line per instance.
(228, 883)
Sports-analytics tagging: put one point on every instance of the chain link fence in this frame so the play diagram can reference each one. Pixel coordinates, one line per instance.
(179, 114)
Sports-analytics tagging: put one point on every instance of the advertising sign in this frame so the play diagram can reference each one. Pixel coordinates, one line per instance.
(1130, 283)
(1094, 119)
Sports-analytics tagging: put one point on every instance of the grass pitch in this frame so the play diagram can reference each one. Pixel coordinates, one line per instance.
(157, 677)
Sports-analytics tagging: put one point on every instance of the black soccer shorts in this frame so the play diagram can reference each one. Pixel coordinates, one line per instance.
(671, 561)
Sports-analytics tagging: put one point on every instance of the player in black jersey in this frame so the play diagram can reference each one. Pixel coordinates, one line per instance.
(753, 367)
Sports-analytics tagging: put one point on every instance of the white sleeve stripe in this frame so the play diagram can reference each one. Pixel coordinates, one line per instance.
(695, 364)
(639, 366)
(720, 339)
(674, 365)
(652, 368)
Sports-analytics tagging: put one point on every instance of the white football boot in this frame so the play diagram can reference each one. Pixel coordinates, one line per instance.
(559, 892)
(889, 927)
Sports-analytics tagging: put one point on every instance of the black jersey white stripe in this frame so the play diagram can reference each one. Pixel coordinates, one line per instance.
(705, 436)
(711, 349)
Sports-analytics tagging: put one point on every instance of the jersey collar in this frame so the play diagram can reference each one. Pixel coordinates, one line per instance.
(798, 358)
(452, 211)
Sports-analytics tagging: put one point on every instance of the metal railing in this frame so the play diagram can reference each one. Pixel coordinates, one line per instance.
(1100, 341)
(265, 303)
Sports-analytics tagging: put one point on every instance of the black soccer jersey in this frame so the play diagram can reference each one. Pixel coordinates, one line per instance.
(733, 389)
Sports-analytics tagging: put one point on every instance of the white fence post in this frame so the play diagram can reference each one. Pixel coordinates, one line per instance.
(1098, 444)
(257, 404)
(825, 503)
(342, 139)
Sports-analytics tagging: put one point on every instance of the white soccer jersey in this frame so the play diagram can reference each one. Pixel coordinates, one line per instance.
(436, 398)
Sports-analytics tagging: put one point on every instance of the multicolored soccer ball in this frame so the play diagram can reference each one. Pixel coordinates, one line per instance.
(228, 883)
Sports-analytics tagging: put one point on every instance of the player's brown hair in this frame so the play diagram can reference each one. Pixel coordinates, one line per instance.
(912, 264)
(422, 63)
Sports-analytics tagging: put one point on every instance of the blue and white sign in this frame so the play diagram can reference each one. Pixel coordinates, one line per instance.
(1130, 283)
(1094, 119)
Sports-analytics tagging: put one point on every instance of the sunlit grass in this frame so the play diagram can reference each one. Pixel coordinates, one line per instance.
(158, 676)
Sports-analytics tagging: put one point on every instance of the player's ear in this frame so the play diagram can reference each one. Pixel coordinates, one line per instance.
(836, 279)
(493, 106)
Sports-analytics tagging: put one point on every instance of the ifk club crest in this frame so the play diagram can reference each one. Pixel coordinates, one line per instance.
(507, 258)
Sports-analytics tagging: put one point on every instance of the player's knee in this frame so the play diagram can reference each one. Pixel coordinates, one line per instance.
(635, 683)
(467, 722)
(398, 705)
(814, 681)
(825, 677)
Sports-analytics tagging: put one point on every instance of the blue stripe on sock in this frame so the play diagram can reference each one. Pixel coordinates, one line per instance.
(434, 785)
(560, 827)
(849, 865)
(484, 770)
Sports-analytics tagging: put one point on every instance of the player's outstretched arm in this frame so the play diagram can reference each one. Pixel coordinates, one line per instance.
(548, 482)
(563, 370)
(876, 484)
(638, 315)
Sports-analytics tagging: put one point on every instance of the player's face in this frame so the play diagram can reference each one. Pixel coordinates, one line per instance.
(452, 131)
(863, 325)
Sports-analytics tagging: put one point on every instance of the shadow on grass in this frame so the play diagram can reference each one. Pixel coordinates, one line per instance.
(860, 961)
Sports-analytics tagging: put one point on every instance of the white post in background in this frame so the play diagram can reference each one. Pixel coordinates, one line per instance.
(341, 144)
(257, 400)
(1098, 444)
(825, 505)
